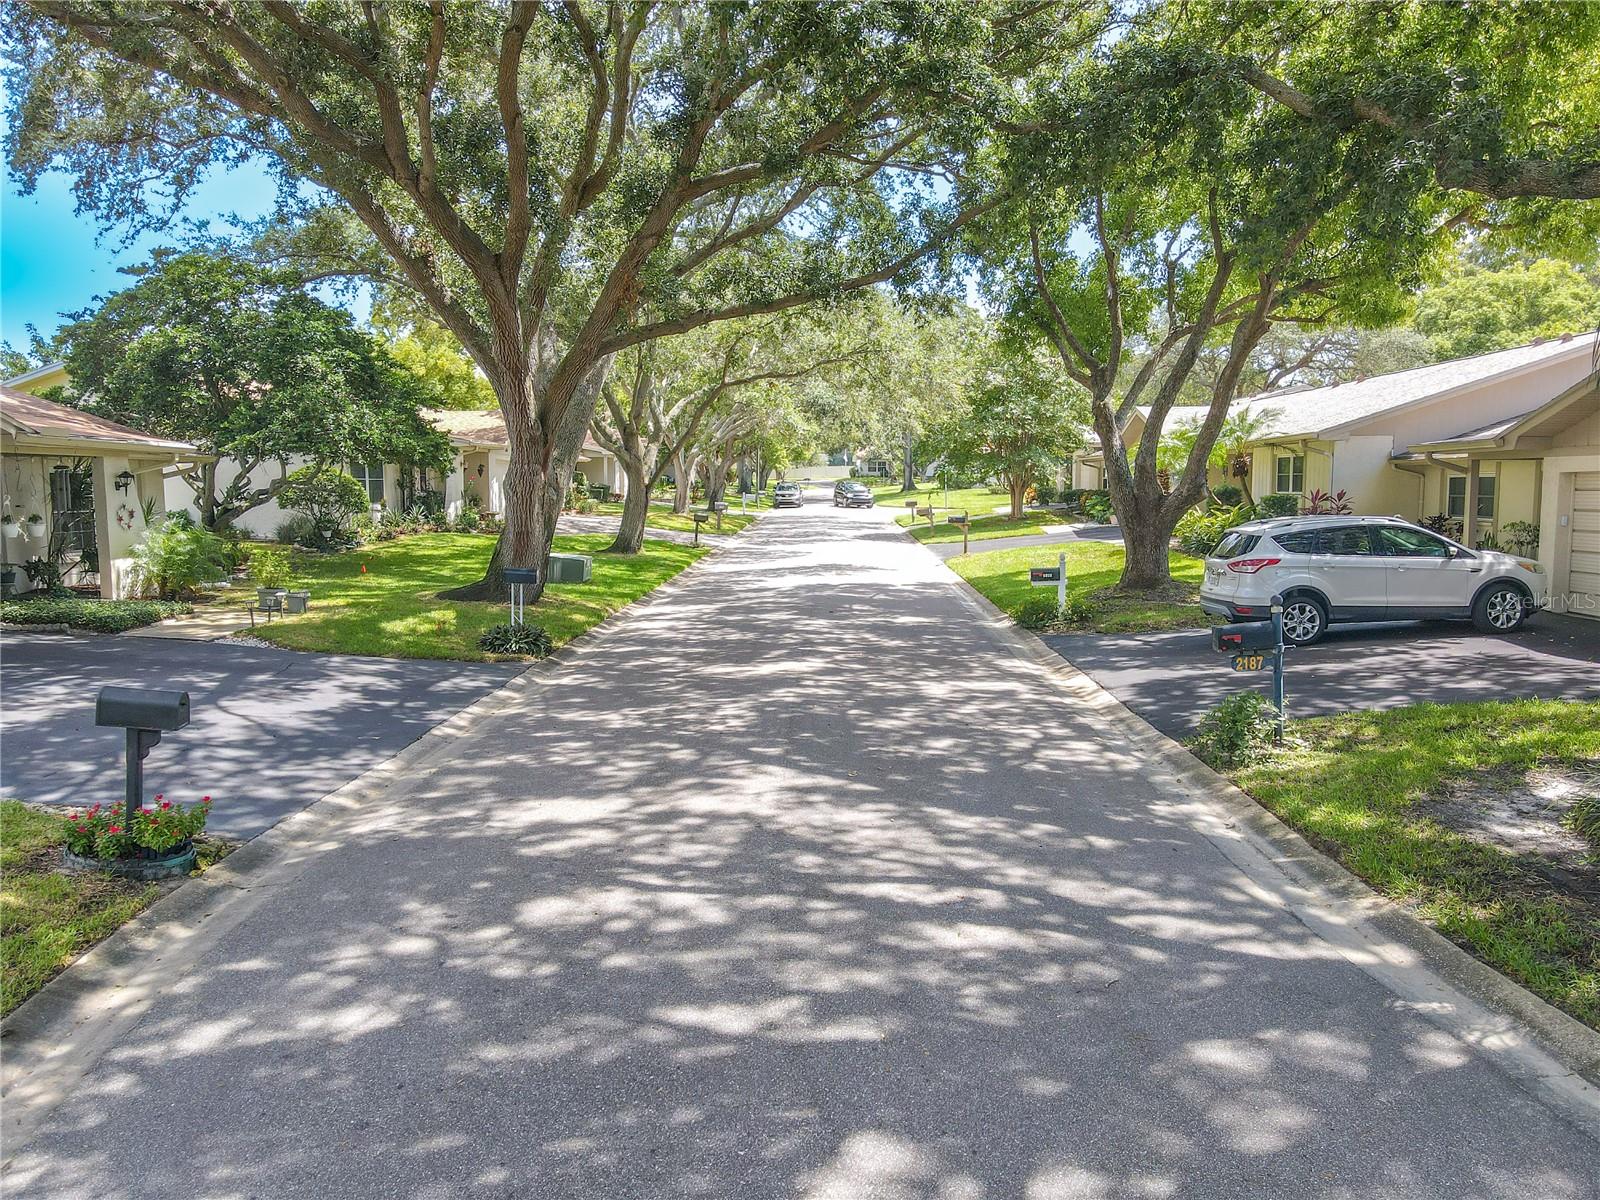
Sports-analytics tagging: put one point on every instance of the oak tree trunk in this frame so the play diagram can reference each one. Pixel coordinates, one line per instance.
(635, 509)
(908, 468)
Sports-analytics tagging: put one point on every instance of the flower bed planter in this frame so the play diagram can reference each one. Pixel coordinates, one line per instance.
(142, 864)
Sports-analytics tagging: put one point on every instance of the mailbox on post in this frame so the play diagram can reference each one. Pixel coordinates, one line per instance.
(964, 523)
(1255, 646)
(146, 715)
(700, 518)
(1243, 636)
(518, 579)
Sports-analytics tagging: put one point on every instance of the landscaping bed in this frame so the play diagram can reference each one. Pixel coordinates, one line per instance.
(1483, 819)
(383, 600)
(48, 917)
(1093, 568)
(99, 616)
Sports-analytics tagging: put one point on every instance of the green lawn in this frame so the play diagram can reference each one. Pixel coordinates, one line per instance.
(1092, 568)
(975, 500)
(984, 528)
(662, 517)
(48, 917)
(392, 609)
(1359, 786)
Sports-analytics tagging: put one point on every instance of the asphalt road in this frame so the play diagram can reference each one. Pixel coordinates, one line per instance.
(798, 883)
(272, 730)
(1171, 679)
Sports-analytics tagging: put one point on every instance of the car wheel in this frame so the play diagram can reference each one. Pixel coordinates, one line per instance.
(1304, 620)
(1499, 608)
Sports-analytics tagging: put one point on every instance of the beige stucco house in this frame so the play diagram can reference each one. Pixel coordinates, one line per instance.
(1542, 466)
(1489, 441)
(479, 456)
(94, 484)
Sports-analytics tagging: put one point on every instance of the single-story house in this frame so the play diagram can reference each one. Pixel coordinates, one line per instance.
(479, 458)
(1541, 466)
(1491, 441)
(480, 455)
(79, 491)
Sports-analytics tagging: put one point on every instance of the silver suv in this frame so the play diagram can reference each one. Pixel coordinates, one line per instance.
(1364, 569)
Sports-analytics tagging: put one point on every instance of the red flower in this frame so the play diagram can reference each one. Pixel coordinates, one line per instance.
(115, 829)
(166, 804)
(159, 795)
(205, 799)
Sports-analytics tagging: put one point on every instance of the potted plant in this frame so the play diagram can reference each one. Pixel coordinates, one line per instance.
(35, 525)
(269, 569)
(157, 842)
(9, 524)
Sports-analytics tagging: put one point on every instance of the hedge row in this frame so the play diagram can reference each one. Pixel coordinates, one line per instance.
(101, 616)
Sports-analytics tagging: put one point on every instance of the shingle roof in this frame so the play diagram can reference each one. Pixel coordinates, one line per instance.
(479, 427)
(1314, 411)
(31, 416)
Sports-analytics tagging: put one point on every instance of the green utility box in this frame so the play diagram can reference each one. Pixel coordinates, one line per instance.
(570, 568)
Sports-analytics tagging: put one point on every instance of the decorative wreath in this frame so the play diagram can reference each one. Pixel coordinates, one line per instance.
(125, 515)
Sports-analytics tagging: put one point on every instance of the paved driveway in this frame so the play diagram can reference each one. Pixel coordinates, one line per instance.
(272, 730)
(1171, 679)
(801, 884)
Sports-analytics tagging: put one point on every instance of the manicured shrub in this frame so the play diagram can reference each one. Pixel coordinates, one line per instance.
(269, 567)
(1044, 493)
(1040, 612)
(175, 557)
(294, 530)
(1278, 504)
(1236, 732)
(330, 500)
(1521, 537)
(99, 616)
(1097, 506)
(1228, 495)
(1199, 532)
(468, 520)
(530, 640)
(1445, 526)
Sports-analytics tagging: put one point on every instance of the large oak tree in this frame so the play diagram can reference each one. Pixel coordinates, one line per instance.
(542, 173)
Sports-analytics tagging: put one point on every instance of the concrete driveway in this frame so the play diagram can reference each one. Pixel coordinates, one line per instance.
(1171, 679)
(273, 730)
(803, 883)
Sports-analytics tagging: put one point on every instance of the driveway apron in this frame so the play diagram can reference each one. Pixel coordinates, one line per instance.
(799, 882)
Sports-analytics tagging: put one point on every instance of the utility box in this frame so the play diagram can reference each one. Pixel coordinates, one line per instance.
(1243, 635)
(570, 568)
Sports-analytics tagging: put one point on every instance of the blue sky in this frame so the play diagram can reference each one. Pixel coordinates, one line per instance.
(52, 261)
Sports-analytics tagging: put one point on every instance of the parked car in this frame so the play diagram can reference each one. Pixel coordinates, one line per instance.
(1331, 569)
(786, 494)
(851, 494)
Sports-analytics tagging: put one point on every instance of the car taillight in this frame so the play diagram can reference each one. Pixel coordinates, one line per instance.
(1249, 566)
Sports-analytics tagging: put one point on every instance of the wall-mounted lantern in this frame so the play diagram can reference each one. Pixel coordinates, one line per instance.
(124, 481)
(480, 470)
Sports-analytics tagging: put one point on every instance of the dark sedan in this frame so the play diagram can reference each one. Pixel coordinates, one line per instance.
(851, 494)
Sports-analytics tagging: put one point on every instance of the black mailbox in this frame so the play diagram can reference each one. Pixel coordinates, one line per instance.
(145, 714)
(963, 519)
(1243, 636)
(523, 575)
(139, 708)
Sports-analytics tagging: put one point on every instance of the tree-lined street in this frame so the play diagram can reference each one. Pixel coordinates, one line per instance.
(863, 908)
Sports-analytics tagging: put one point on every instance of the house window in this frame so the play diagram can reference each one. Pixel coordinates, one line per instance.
(370, 476)
(877, 466)
(1455, 499)
(1291, 473)
(1486, 497)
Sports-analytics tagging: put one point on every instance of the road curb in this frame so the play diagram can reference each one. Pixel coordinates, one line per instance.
(1551, 1054)
(58, 1034)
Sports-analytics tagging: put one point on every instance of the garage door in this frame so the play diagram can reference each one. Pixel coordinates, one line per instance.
(1583, 557)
